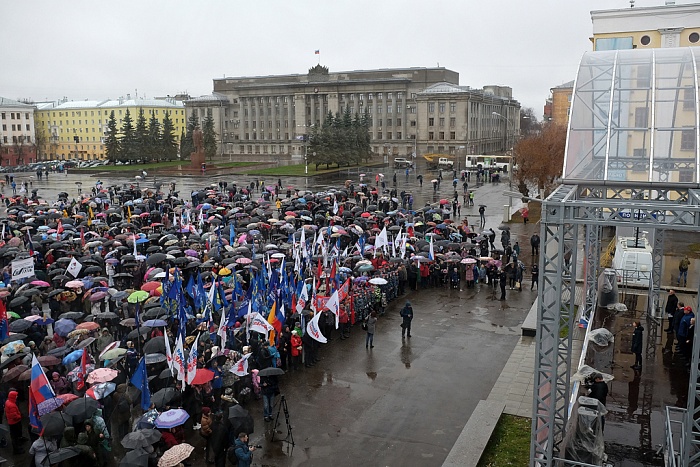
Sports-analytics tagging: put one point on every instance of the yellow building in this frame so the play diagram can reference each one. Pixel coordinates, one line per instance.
(75, 130)
(668, 25)
(561, 103)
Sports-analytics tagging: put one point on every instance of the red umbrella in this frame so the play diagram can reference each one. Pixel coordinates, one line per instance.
(150, 286)
(67, 398)
(203, 376)
(89, 325)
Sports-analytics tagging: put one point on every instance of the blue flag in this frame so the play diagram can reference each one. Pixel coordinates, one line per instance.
(232, 235)
(140, 380)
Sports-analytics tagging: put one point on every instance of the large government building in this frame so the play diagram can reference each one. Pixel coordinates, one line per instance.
(412, 110)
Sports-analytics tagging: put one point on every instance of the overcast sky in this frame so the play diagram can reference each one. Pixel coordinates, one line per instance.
(96, 50)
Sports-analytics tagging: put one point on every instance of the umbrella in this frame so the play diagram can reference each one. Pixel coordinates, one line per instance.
(175, 454)
(102, 375)
(141, 438)
(40, 283)
(75, 284)
(89, 325)
(152, 358)
(112, 354)
(82, 409)
(12, 338)
(240, 419)
(154, 345)
(58, 351)
(162, 397)
(18, 301)
(74, 356)
(203, 376)
(14, 372)
(378, 281)
(55, 423)
(72, 315)
(271, 371)
(97, 296)
(20, 325)
(156, 258)
(63, 454)
(138, 296)
(135, 458)
(63, 326)
(155, 323)
(150, 286)
(172, 418)
(100, 391)
(48, 360)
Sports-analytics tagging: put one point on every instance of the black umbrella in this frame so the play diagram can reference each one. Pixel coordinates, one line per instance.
(81, 409)
(141, 438)
(74, 315)
(240, 420)
(59, 351)
(163, 397)
(12, 338)
(165, 374)
(63, 454)
(271, 371)
(92, 269)
(55, 423)
(106, 315)
(143, 331)
(135, 458)
(18, 301)
(155, 258)
(20, 325)
(154, 345)
(13, 358)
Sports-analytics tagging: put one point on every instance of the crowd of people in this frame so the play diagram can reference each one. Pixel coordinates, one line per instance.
(150, 317)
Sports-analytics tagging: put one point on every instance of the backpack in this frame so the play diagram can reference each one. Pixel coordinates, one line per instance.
(231, 455)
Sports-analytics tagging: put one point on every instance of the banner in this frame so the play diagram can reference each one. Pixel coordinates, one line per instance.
(240, 368)
(22, 268)
(260, 324)
(74, 267)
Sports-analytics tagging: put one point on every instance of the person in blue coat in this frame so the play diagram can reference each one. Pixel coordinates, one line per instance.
(244, 454)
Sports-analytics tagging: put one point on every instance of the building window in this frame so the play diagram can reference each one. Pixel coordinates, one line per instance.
(380, 123)
(412, 110)
(442, 121)
(688, 140)
(413, 123)
(442, 107)
(640, 152)
(685, 176)
(431, 122)
(388, 108)
(369, 96)
(399, 95)
(379, 109)
(453, 107)
(640, 117)
(398, 108)
(453, 122)
(398, 122)
(398, 135)
(3, 116)
(453, 135)
(431, 135)
(431, 107)
(379, 135)
(694, 37)
(379, 96)
(442, 135)
(389, 135)
(689, 98)
(389, 96)
(645, 40)
(388, 122)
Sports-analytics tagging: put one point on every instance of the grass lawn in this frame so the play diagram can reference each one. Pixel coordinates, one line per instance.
(298, 170)
(155, 166)
(509, 444)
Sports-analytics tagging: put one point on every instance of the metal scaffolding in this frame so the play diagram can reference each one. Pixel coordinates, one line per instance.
(591, 206)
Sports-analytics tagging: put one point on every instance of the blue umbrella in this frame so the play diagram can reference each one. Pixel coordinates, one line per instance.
(44, 321)
(154, 323)
(64, 326)
(74, 356)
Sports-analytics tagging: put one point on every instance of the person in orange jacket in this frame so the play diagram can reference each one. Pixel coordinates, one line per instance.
(14, 420)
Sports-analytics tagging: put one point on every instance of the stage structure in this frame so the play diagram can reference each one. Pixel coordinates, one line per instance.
(632, 159)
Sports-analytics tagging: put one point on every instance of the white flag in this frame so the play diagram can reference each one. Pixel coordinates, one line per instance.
(179, 361)
(260, 324)
(303, 299)
(313, 329)
(302, 242)
(74, 267)
(221, 332)
(192, 361)
(22, 268)
(240, 368)
(381, 240)
(333, 304)
(431, 253)
(335, 206)
(168, 352)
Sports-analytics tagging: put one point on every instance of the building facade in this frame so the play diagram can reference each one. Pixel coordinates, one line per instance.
(561, 103)
(273, 114)
(75, 130)
(17, 141)
(668, 25)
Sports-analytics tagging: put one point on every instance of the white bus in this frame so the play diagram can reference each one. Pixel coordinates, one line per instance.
(476, 162)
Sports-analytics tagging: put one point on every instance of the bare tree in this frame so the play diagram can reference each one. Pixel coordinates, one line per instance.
(541, 159)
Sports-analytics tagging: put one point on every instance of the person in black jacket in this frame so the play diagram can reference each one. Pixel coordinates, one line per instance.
(219, 441)
(599, 390)
(637, 344)
(671, 306)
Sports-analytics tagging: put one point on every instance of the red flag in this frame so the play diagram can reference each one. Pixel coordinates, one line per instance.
(82, 236)
(59, 229)
(80, 384)
(333, 267)
(320, 268)
(352, 309)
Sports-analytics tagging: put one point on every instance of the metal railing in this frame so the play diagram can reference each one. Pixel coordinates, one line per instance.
(674, 442)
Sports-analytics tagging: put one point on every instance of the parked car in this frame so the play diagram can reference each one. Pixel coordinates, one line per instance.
(401, 162)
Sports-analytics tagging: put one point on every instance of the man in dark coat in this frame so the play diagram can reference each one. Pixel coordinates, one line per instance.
(671, 306)
(503, 276)
(637, 344)
(599, 390)
(407, 315)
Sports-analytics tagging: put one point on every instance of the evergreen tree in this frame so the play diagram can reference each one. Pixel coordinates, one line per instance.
(183, 143)
(154, 149)
(209, 136)
(128, 146)
(187, 144)
(112, 140)
(141, 137)
(167, 141)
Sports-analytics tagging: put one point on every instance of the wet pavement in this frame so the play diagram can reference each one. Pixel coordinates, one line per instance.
(402, 402)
